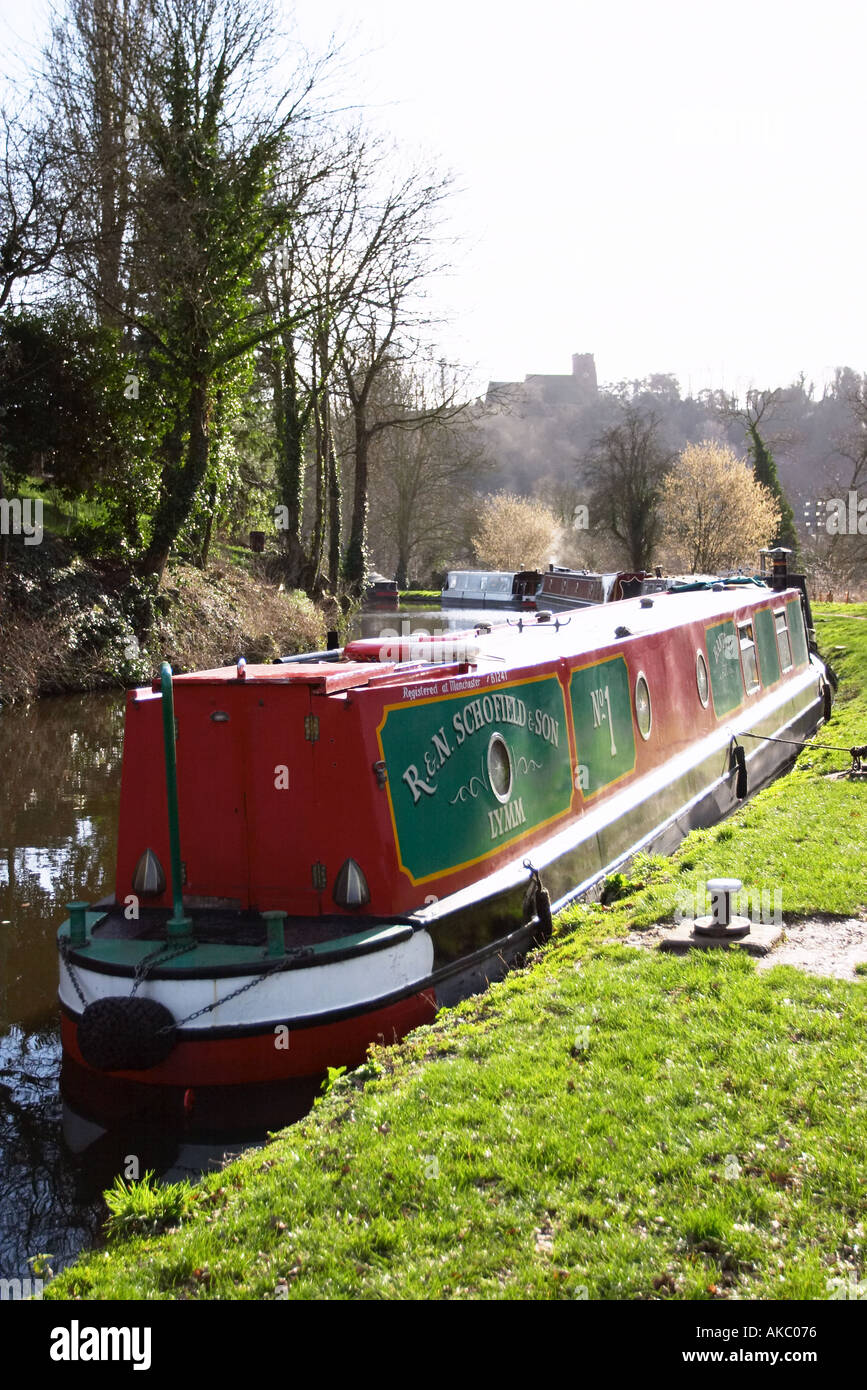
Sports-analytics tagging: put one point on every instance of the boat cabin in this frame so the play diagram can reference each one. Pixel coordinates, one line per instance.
(491, 588)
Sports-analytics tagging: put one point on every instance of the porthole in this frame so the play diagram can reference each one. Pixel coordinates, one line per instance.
(701, 678)
(643, 712)
(500, 767)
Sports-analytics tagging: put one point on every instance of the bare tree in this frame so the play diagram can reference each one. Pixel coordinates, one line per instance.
(625, 470)
(515, 532)
(339, 289)
(310, 287)
(426, 470)
(386, 328)
(33, 211)
(847, 549)
(95, 90)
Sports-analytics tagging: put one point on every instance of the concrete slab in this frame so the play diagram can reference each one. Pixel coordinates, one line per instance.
(759, 941)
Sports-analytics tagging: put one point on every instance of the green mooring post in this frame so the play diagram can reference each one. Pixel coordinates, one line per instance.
(276, 942)
(178, 927)
(77, 923)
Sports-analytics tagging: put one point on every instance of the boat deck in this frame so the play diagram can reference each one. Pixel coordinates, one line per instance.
(226, 926)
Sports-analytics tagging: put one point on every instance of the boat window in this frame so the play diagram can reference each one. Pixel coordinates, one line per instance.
(701, 678)
(643, 711)
(453, 579)
(500, 767)
(749, 660)
(784, 646)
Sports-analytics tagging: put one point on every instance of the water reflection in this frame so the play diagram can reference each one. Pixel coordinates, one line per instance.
(59, 780)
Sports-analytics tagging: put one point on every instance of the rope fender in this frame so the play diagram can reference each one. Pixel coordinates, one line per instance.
(125, 1034)
(537, 903)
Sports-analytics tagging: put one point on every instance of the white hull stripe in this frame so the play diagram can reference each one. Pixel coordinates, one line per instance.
(345, 984)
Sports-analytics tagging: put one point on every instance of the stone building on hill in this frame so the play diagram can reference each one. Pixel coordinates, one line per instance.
(538, 395)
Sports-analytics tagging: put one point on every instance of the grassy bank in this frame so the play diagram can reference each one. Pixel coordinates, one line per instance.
(69, 624)
(610, 1122)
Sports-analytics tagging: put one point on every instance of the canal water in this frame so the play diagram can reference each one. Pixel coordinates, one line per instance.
(59, 778)
(60, 764)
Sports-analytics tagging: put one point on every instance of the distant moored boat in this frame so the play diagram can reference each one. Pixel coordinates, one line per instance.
(490, 588)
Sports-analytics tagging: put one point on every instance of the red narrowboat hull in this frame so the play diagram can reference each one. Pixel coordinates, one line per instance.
(254, 1058)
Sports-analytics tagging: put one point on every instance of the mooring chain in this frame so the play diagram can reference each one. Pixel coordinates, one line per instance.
(242, 989)
(856, 753)
(158, 957)
(64, 951)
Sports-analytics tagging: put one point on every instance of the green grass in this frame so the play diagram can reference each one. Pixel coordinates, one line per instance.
(610, 1123)
(60, 514)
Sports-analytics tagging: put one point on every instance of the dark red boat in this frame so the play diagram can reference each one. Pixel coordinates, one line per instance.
(380, 594)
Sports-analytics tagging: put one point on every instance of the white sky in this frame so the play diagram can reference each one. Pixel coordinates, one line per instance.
(672, 186)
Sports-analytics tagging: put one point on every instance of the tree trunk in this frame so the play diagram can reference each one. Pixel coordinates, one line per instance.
(321, 439)
(177, 502)
(356, 551)
(209, 527)
(334, 500)
(290, 468)
(4, 541)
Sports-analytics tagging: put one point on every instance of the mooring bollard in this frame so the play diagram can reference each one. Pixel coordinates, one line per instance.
(77, 923)
(721, 922)
(274, 924)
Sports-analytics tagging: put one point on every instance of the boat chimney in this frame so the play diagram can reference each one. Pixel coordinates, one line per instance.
(778, 559)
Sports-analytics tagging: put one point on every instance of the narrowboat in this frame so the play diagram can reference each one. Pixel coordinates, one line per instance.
(380, 593)
(565, 588)
(490, 589)
(316, 855)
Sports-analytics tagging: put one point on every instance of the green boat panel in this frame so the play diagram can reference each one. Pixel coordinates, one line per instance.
(200, 959)
(724, 662)
(469, 775)
(604, 736)
(800, 652)
(766, 638)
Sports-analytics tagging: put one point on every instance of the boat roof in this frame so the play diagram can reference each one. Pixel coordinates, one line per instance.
(521, 641)
(503, 643)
